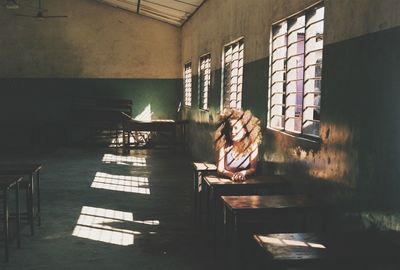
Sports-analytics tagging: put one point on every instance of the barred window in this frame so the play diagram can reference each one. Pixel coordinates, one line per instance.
(295, 72)
(204, 81)
(187, 85)
(233, 75)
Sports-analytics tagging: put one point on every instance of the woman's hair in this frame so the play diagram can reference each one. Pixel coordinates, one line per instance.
(251, 124)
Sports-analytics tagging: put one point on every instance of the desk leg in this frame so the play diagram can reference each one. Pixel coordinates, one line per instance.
(215, 227)
(225, 236)
(195, 194)
(200, 195)
(18, 214)
(174, 139)
(210, 210)
(5, 194)
(183, 137)
(305, 221)
(38, 198)
(31, 210)
(325, 217)
(206, 190)
(235, 243)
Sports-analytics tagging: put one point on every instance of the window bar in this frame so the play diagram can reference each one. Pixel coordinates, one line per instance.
(188, 84)
(304, 73)
(294, 43)
(313, 65)
(312, 51)
(204, 84)
(281, 35)
(294, 55)
(313, 107)
(293, 68)
(312, 23)
(274, 59)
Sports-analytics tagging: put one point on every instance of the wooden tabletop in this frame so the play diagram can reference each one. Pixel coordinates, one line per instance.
(7, 181)
(19, 168)
(291, 247)
(154, 125)
(203, 166)
(255, 202)
(260, 179)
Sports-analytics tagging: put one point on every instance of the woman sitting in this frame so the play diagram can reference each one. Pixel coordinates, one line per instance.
(236, 143)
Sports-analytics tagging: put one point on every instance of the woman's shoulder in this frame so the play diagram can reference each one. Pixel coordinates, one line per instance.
(228, 148)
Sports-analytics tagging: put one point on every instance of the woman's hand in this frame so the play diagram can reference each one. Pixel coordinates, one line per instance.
(238, 176)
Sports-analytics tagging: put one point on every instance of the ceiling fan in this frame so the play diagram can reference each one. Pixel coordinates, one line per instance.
(40, 11)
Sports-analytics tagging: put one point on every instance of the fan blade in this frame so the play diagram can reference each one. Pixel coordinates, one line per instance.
(24, 15)
(54, 16)
(42, 16)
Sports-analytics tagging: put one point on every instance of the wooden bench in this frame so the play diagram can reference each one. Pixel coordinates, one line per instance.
(102, 118)
(6, 183)
(355, 250)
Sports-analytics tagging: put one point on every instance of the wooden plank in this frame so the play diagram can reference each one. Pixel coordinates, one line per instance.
(270, 202)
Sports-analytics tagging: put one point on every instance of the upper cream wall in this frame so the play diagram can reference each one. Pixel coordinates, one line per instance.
(218, 22)
(94, 41)
(345, 19)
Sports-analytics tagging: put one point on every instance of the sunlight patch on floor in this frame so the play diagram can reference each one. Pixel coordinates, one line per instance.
(124, 160)
(132, 184)
(100, 224)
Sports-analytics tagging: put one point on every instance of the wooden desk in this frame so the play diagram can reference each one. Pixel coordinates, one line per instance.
(101, 118)
(199, 170)
(6, 183)
(131, 127)
(215, 187)
(30, 170)
(245, 210)
(321, 251)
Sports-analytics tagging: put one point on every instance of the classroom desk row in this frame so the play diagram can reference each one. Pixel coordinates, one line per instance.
(19, 176)
(265, 207)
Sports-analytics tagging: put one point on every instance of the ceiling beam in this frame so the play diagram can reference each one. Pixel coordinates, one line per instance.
(190, 16)
(168, 7)
(186, 3)
(138, 7)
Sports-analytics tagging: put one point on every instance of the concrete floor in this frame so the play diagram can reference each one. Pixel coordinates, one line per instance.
(93, 218)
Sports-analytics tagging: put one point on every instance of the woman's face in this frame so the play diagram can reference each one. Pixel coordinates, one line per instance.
(238, 131)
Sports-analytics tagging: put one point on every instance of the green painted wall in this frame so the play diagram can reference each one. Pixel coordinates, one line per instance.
(361, 93)
(38, 109)
(356, 160)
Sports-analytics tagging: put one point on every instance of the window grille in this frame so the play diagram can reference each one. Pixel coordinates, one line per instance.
(233, 74)
(295, 72)
(187, 85)
(204, 81)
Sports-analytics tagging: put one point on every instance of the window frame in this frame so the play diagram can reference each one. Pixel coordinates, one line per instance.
(186, 84)
(239, 41)
(202, 91)
(304, 66)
